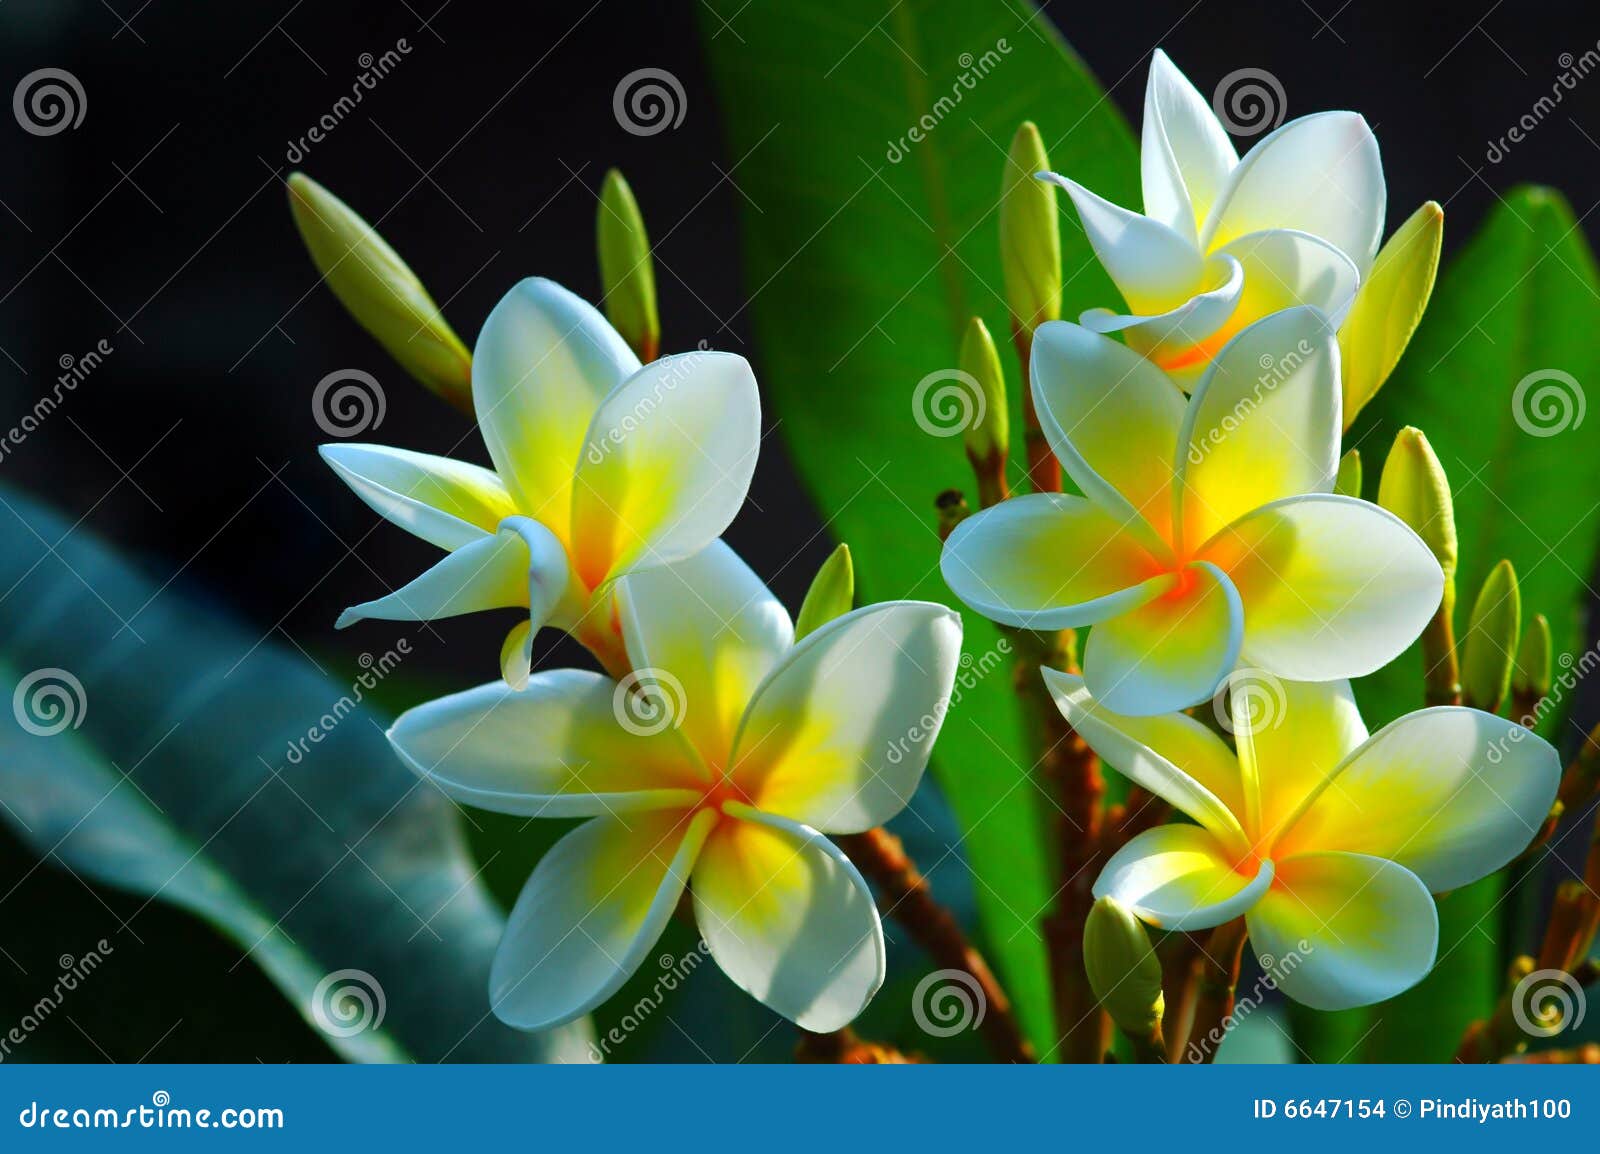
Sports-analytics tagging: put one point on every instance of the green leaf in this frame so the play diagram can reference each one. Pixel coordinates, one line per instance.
(1520, 301)
(868, 251)
(174, 781)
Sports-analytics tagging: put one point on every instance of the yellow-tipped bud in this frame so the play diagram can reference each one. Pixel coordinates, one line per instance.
(1414, 488)
(1123, 969)
(1348, 482)
(627, 271)
(1534, 669)
(832, 593)
(1389, 306)
(1030, 234)
(989, 435)
(1490, 647)
(381, 291)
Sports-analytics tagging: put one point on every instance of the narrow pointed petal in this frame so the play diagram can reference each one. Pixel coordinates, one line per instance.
(711, 625)
(446, 503)
(666, 464)
(1301, 731)
(1263, 423)
(516, 655)
(1452, 794)
(1179, 877)
(1344, 929)
(1112, 419)
(544, 362)
(1171, 652)
(1332, 587)
(789, 919)
(1320, 174)
(552, 749)
(1048, 561)
(1185, 155)
(589, 915)
(1172, 756)
(839, 734)
(489, 573)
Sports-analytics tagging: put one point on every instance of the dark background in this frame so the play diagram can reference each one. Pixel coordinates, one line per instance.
(160, 225)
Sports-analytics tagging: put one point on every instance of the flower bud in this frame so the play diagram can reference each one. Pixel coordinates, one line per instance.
(381, 292)
(1532, 677)
(989, 436)
(832, 593)
(1414, 488)
(627, 271)
(1348, 482)
(1030, 234)
(1388, 307)
(1123, 969)
(1490, 645)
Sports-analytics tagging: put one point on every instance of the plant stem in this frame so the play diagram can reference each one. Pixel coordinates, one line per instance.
(1180, 977)
(1219, 979)
(845, 1047)
(1441, 669)
(1044, 471)
(904, 894)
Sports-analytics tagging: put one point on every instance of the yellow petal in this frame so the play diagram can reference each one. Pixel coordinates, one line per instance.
(1179, 877)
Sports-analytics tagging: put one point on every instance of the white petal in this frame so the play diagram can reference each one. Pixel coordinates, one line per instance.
(1165, 755)
(1169, 339)
(552, 749)
(447, 503)
(1320, 174)
(1048, 561)
(712, 626)
(1179, 877)
(666, 465)
(1301, 731)
(789, 919)
(1452, 794)
(1344, 930)
(543, 363)
(838, 735)
(1283, 269)
(1185, 155)
(592, 910)
(1332, 587)
(1171, 652)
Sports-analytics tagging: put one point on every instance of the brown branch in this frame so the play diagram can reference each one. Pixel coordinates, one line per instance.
(1585, 1055)
(1044, 471)
(845, 1047)
(1219, 979)
(1181, 961)
(904, 894)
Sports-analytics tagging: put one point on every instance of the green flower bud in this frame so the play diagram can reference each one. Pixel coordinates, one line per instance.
(381, 292)
(832, 593)
(989, 435)
(1490, 646)
(1123, 969)
(1348, 482)
(1414, 488)
(627, 271)
(1532, 676)
(1030, 234)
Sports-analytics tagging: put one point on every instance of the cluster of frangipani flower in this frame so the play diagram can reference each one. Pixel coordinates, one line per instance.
(1208, 539)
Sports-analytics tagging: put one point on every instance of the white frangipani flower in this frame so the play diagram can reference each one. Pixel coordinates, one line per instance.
(1329, 842)
(1208, 533)
(601, 466)
(745, 751)
(1225, 241)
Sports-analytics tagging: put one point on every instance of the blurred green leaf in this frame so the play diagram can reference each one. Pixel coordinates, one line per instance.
(871, 177)
(1519, 304)
(174, 780)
